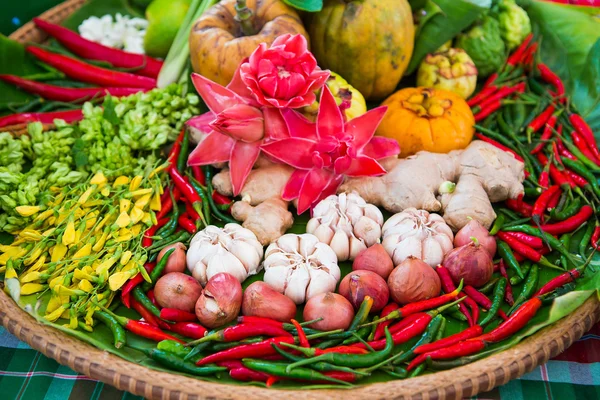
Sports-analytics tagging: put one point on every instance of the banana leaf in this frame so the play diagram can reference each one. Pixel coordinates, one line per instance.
(569, 39)
(305, 5)
(440, 21)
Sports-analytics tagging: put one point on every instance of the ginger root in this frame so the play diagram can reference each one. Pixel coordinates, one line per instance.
(268, 220)
(483, 174)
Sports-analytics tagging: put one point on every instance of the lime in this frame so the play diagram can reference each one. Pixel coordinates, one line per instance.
(164, 19)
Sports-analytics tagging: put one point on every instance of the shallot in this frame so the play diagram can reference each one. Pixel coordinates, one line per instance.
(475, 231)
(177, 290)
(413, 280)
(176, 261)
(358, 284)
(471, 263)
(220, 301)
(261, 300)
(336, 312)
(375, 259)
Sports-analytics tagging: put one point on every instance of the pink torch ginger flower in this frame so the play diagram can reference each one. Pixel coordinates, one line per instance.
(326, 151)
(284, 75)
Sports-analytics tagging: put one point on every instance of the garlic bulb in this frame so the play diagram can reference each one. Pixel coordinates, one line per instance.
(300, 267)
(419, 234)
(347, 223)
(232, 249)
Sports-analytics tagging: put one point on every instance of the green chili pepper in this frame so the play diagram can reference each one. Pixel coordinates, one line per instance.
(157, 270)
(183, 152)
(173, 362)
(488, 287)
(198, 349)
(362, 333)
(396, 372)
(174, 347)
(567, 211)
(519, 110)
(497, 224)
(441, 330)
(528, 288)
(455, 314)
(211, 202)
(515, 279)
(319, 366)
(205, 202)
(565, 239)
(579, 168)
(328, 343)
(509, 213)
(228, 345)
(519, 221)
(373, 330)
(182, 236)
(280, 369)
(589, 164)
(141, 297)
(509, 258)
(169, 228)
(348, 360)
(498, 137)
(496, 301)
(417, 371)
(117, 330)
(427, 337)
(585, 240)
(439, 365)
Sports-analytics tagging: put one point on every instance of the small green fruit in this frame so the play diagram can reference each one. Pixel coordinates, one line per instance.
(164, 19)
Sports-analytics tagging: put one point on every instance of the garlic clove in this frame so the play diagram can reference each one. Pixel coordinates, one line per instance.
(224, 261)
(372, 212)
(340, 245)
(368, 230)
(324, 233)
(297, 283)
(445, 242)
(324, 254)
(277, 277)
(288, 242)
(320, 282)
(356, 247)
(389, 243)
(432, 252)
(246, 254)
(443, 229)
(312, 225)
(354, 212)
(199, 273)
(307, 243)
(403, 227)
(276, 259)
(411, 246)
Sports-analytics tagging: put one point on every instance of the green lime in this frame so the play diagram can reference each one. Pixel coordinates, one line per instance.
(164, 19)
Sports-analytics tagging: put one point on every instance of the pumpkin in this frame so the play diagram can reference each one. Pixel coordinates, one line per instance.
(368, 42)
(219, 41)
(427, 119)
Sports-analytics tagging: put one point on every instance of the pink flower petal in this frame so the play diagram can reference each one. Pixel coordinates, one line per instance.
(296, 152)
(365, 166)
(380, 147)
(292, 188)
(296, 44)
(330, 189)
(282, 39)
(298, 125)
(215, 148)
(362, 128)
(243, 156)
(314, 183)
(238, 86)
(216, 97)
(329, 119)
(342, 164)
(275, 126)
(202, 122)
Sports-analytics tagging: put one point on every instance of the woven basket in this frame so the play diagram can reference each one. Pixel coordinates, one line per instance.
(453, 384)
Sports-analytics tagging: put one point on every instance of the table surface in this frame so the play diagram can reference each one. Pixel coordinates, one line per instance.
(27, 374)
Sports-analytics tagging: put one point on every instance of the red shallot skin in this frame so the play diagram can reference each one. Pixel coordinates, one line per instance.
(358, 284)
(413, 280)
(177, 290)
(220, 301)
(261, 300)
(336, 312)
(471, 263)
(474, 230)
(375, 259)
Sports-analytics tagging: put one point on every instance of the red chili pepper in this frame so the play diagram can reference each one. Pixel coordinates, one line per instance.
(230, 364)
(498, 145)
(448, 287)
(554, 200)
(557, 176)
(562, 150)
(518, 205)
(569, 224)
(539, 208)
(380, 330)
(186, 190)
(468, 333)
(488, 110)
(132, 283)
(576, 179)
(220, 199)
(147, 238)
(424, 305)
(245, 374)
(83, 72)
(259, 349)
(482, 95)
(45, 118)
(595, 238)
(585, 131)
(243, 331)
(515, 322)
(584, 147)
(502, 93)
(517, 55)
(533, 241)
(481, 299)
(508, 293)
(546, 135)
(198, 175)
(186, 223)
(526, 251)
(148, 331)
(559, 281)
(461, 349)
(175, 315)
(491, 79)
(245, 319)
(403, 323)
(540, 120)
(176, 149)
(95, 51)
(544, 179)
(69, 95)
(301, 335)
(414, 329)
(473, 307)
(147, 315)
(166, 204)
(188, 329)
(527, 58)
(189, 210)
(341, 350)
(550, 77)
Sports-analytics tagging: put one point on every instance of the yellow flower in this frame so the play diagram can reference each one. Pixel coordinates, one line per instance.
(124, 205)
(85, 285)
(84, 197)
(27, 211)
(136, 215)
(115, 281)
(58, 252)
(69, 234)
(83, 252)
(126, 257)
(143, 201)
(31, 288)
(54, 315)
(105, 191)
(155, 202)
(121, 180)
(123, 220)
(135, 183)
(98, 179)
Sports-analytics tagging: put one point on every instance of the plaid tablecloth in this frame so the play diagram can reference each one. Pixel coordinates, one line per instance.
(27, 374)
